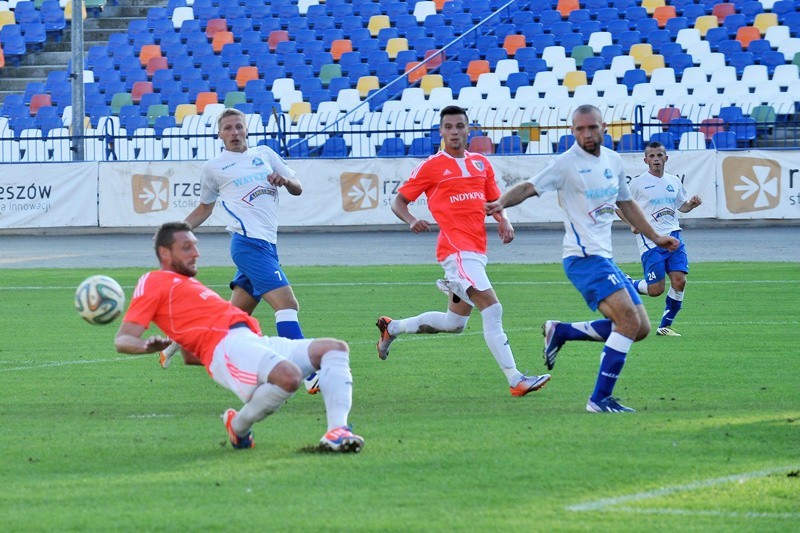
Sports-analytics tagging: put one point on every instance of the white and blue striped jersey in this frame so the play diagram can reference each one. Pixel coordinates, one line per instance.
(239, 181)
(659, 199)
(588, 188)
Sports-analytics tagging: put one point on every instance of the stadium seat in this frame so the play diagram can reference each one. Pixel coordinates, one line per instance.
(392, 147)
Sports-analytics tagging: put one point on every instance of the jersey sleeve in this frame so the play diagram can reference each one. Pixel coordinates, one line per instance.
(416, 184)
(624, 193)
(682, 195)
(277, 163)
(144, 302)
(209, 188)
(550, 178)
(492, 191)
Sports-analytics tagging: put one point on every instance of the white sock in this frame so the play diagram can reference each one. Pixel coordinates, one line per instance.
(497, 341)
(675, 295)
(336, 385)
(266, 399)
(286, 315)
(430, 322)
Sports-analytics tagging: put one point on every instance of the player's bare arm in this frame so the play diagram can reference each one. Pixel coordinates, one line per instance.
(199, 215)
(621, 216)
(690, 204)
(129, 340)
(633, 214)
(513, 196)
(292, 186)
(401, 211)
(504, 228)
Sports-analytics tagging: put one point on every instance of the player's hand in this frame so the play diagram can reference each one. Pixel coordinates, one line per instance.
(156, 343)
(493, 207)
(670, 243)
(419, 225)
(276, 180)
(694, 201)
(505, 230)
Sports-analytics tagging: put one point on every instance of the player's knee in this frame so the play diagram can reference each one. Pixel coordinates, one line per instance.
(286, 375)
(644, 330)
(657, 289)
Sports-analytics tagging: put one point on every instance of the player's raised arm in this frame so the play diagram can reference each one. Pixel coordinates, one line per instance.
(690, 204)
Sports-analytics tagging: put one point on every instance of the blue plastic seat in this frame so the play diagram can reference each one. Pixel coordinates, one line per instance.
(628, 39)
(740, 60)
(631, 142)
(420, 147)
(724, 140)
(745, 129)
(633, 77)
(676, 24)
(564, 143)
(392, 147)
(510, 145)
(458, 82)
(334, 147)
(591, 65)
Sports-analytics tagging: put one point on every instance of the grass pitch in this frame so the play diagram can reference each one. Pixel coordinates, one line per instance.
(95, 440)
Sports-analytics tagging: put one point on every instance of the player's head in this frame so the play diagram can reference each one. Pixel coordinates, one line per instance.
(655, 157)
(176, 248)
(454, 129)
(588, 128)
(232, 125)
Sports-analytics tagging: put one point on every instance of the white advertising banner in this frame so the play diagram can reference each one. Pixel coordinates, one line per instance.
(147, 194)
(758, 185)
(48, 195)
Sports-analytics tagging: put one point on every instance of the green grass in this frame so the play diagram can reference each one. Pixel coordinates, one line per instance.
(94, 440)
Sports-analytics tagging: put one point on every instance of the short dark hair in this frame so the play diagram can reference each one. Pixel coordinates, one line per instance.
(587, 109)
(452, 110)
(165, 235)
(654, 145)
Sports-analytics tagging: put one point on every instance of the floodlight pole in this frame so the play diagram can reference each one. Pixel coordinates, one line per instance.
(76, 34)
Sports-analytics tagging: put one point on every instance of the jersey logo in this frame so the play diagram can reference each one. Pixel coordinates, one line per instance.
(446, 173)
(478, 165)
(250, 197)
(661, 213)
(229, 165)
(608, 174)
(670, 188)
(604, 210)
(257, 162)
(648, 187)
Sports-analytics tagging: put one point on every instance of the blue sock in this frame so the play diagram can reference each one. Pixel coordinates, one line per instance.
(612, 360)
(287, 325)
(673, 305)
(596, 330)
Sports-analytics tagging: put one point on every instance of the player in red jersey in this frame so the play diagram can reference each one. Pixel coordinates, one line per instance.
(264, 372)
(458, 184)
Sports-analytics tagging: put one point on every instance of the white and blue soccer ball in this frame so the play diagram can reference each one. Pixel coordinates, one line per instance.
(99, 300)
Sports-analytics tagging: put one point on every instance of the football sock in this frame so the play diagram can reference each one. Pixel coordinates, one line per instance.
(497, 341)
(612, 359)
(336, 385)
(287, 325)
(430, 322)
(673, 305)
(266, 399)
(595, 330)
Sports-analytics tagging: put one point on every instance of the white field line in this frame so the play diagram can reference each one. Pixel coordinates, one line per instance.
(613, 504)
(723, 514)
(414, 284)
(52, 364)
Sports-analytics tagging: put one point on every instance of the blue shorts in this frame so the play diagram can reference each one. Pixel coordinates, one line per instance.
(657, 262)
(258, 270)
(597, 278)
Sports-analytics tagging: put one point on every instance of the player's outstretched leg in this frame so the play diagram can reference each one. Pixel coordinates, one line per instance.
(557, 333)
(529, 384)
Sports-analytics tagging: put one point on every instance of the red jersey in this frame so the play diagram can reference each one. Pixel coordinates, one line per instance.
(186, 311)
(457, 189)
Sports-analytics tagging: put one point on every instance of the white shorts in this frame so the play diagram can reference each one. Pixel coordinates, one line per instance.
(463, 270)
(243, 360)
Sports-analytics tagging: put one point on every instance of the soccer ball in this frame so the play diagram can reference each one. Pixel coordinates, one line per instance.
(99, 300)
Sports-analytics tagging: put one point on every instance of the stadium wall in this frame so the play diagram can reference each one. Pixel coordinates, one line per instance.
(743, 185)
